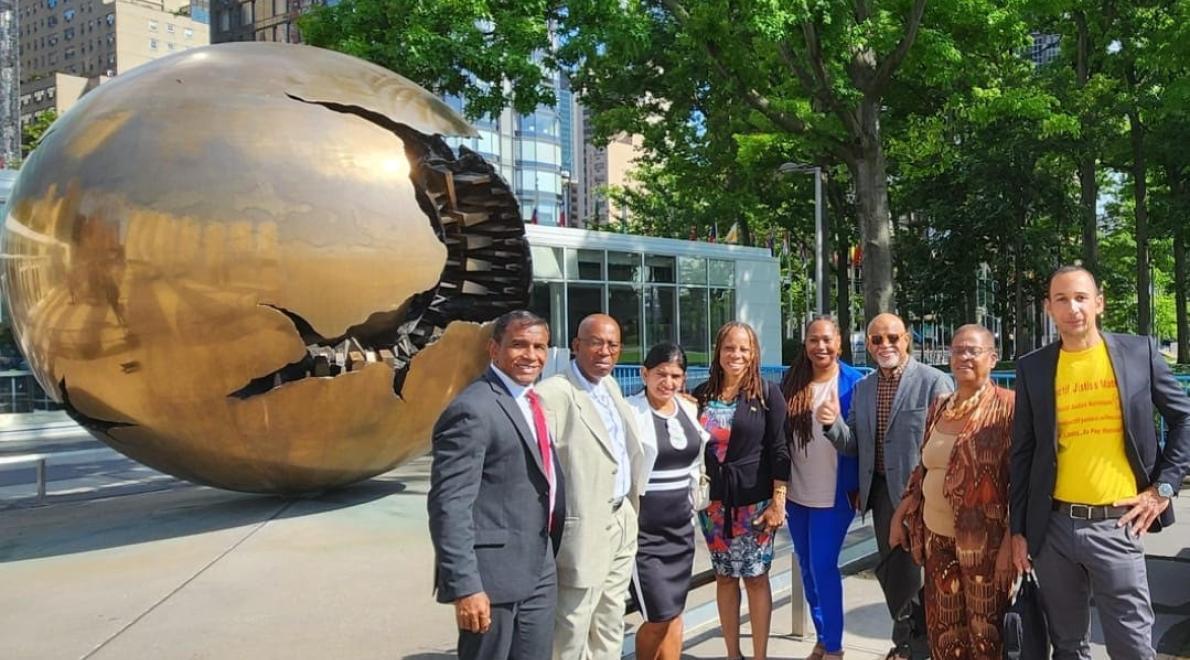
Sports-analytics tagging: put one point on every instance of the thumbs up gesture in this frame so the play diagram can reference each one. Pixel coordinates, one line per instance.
(828, 412)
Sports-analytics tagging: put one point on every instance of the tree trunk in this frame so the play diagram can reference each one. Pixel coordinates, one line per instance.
(1180, 292)
(1088, 186)
(868, 170)
(842, 288)
(1144, 306)
(1178, 208)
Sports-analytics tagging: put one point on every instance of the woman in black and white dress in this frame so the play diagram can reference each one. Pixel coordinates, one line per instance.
(665, 554)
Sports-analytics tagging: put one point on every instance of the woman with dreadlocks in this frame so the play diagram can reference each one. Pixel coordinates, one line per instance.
(822, 483)
(747, 461)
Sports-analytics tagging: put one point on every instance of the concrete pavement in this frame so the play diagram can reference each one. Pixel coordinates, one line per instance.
(171, 570)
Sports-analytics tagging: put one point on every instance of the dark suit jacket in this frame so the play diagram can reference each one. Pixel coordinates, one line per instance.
(757, 452)
(489, 498)
(1144, 381)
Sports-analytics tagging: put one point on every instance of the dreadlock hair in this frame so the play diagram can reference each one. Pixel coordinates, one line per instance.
(751, 385)
(799, 395)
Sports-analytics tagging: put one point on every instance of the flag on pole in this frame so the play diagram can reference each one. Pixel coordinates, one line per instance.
(771, 242)
(562, 219)
(533, 219)
(693, 233)
(713, 236)
(733, 234)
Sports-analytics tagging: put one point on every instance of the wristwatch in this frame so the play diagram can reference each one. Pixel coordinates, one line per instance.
(1164, 490)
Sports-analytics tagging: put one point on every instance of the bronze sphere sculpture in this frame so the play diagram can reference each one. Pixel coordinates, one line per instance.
(259, 266)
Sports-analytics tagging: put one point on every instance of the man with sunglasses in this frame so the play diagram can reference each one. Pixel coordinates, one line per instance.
(884, 428)
(1089, 474)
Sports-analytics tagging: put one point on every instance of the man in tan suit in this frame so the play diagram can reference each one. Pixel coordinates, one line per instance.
(604, 464)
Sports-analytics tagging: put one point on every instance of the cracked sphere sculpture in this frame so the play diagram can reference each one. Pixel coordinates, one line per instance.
(258, 266)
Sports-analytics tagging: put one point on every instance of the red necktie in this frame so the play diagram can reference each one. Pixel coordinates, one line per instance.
(543, 446)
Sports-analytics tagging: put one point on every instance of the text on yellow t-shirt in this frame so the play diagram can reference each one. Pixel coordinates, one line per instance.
(1092, 464)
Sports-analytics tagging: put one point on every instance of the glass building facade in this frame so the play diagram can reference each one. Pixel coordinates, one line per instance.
(657, 289)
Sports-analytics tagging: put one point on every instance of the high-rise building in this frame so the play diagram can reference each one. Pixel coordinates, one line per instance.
(70, 46)
(527, 151)
(1045, 48)
(10, 76)
(259, 20)
(604, 167)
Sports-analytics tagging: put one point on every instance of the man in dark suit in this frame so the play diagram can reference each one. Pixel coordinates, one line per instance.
(884, 428)
(496, 502)
(1088, 474)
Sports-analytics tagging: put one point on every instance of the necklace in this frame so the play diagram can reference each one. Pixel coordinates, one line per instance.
(956, 411)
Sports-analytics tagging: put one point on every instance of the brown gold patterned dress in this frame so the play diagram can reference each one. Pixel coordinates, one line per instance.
(964, 607)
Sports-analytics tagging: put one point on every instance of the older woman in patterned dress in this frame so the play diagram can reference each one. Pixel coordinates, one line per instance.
(954, 514)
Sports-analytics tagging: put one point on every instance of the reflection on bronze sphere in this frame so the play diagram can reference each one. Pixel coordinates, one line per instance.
(258, 266)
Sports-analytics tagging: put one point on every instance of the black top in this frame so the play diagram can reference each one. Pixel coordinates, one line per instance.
(757, 453)
(675, 459)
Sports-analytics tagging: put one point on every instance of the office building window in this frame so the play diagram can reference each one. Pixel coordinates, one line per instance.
(694, 332)
(583, 300)
(152, 25)
(624, 305)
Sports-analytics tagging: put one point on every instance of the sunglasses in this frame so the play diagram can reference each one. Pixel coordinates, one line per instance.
(877, 340)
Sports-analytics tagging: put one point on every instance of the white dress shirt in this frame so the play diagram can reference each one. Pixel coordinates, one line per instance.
(614, 424)
(518, 393)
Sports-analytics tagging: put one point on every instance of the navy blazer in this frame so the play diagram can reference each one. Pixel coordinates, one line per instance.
(489, 498)
(1144, 380)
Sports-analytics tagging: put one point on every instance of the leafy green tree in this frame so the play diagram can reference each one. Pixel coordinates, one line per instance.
(819, 73)
(492, 54)
(34, 129)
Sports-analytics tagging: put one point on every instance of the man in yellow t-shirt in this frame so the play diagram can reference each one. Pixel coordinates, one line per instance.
(1088, 476)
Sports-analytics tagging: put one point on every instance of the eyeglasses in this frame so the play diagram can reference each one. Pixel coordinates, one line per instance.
(891, 338)
(599, 344)
(970, 351)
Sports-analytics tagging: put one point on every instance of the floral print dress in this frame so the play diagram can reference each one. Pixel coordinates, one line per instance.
(748, 553)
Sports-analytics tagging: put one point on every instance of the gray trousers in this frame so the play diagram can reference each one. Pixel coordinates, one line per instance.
(901, 575)
(1081, 557)
(524, 629)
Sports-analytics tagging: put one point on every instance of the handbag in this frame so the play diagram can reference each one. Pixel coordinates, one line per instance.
(1026, 635)
(701, 495)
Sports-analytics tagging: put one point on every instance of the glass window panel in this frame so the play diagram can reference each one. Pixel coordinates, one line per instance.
(694, 331)
(722, 308)
(660, 269)
(547, 262)
(546, 301)
(623, 304)
(623, 267)
(584, 264)
(583, 300)
(722, 272)
(693, 270)
(660, 315)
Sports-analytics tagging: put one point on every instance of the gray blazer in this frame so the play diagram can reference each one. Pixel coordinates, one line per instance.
(1145, 382)
(489, 498)
(920, 385)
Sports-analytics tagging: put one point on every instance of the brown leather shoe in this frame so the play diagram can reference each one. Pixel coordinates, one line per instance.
(818, 652)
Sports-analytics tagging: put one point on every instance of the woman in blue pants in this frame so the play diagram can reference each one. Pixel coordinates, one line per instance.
(822, 483)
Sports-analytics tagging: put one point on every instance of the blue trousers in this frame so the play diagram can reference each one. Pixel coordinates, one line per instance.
(818, 535)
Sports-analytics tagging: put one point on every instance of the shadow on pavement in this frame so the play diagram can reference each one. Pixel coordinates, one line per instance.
(95, 524)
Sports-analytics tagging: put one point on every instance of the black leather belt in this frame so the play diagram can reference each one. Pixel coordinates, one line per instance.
(1090, 512)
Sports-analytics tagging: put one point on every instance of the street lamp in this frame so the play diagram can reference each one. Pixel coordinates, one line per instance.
(819, 228)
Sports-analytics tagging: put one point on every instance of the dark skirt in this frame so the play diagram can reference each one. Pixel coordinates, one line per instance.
(664, 556)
